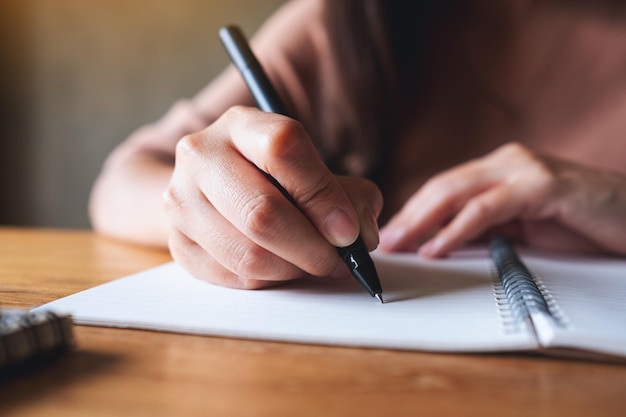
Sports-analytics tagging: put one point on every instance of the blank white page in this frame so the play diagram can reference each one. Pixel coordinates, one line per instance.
(445, 305)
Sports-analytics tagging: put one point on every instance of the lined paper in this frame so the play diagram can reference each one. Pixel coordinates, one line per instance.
(445, 305)
(437, 305)
(591, 294)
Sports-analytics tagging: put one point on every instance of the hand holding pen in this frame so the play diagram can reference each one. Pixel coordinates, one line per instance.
(232, 226)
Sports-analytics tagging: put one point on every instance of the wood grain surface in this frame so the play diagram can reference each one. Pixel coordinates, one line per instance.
(119, 372)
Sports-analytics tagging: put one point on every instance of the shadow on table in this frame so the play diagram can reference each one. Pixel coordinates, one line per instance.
(42, 380)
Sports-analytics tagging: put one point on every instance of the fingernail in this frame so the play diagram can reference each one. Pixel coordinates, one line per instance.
(340, 228)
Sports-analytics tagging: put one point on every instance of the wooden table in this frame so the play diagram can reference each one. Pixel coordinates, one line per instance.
(117, 372)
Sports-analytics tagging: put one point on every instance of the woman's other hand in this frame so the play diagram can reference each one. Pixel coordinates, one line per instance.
(553, 205)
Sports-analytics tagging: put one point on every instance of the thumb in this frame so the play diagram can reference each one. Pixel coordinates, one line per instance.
(279, 146)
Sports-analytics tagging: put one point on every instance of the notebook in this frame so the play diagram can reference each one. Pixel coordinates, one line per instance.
(28, 339)
(458, 304)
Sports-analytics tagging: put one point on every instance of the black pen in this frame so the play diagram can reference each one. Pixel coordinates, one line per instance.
(356, 255)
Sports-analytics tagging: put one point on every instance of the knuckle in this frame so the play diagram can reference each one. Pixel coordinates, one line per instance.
(284, 138)
(261, 216)
(515, 150)
(215, 273)
(318, 189)
(234, 112)
(210, 269)
(172, 198)
(190, 146)
(233, 115)
(518, 154)
(435, 183)
(436, 188)
(224, 277)
(250, 261)
(479, 208)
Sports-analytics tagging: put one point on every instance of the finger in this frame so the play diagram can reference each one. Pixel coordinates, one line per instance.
(434, 204)
(281, 148)
(247, 200)
(367, 201)
(205, 226)
(493, 207)
(202, 266)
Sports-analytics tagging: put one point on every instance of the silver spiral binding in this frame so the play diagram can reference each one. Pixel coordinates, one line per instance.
(519, 294)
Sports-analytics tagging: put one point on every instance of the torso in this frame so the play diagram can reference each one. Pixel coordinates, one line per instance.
(548, 76)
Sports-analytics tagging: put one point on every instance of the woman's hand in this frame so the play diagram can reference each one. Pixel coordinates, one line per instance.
(544, 202)
(231, 226)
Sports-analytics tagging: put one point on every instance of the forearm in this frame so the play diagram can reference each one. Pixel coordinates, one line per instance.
(126, 200)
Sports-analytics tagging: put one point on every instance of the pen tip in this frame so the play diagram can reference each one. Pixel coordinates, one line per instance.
(380, 297)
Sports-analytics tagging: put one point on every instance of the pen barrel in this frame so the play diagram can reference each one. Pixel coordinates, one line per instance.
(263, 92)
(356, 256)
(251, 70)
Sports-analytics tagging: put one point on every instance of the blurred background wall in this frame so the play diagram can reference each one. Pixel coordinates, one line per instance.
(77, 76)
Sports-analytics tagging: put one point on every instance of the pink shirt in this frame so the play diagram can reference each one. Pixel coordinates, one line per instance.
(549, 75)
